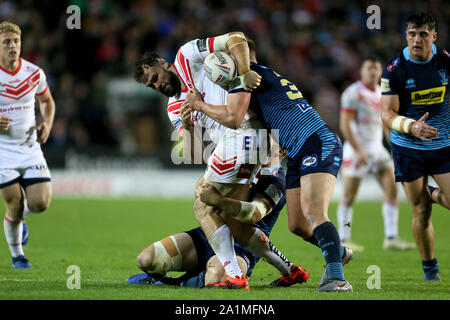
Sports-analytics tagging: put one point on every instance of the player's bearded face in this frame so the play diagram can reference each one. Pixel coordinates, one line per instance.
(162, 80)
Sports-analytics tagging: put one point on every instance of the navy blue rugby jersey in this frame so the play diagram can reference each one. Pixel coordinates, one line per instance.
(422, 86)
(282, 106)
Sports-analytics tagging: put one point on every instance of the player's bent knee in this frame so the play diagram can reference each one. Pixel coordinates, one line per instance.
(39, 205)
(145, 258)
(161, 257)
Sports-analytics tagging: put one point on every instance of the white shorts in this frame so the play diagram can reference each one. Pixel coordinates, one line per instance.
(379, 159)
(24, 165)
(237, 157)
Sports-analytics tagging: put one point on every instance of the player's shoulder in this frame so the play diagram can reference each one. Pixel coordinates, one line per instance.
(353, 87)
(394, 64)
(28, 66)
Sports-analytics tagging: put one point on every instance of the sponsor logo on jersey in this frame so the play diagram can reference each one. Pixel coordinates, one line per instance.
(393, 65)
(309, 161)
(428, 96)
(202, 45)
(410, 83)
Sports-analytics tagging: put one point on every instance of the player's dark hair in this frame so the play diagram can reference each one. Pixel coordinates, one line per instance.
(370, 59)
(251, 44)
(149, 59)
(422, 18)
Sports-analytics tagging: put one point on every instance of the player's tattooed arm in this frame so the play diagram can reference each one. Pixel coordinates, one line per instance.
(391, 119)
(47, 107)
(190, 136)
(249, 212)
(236, 44)
(230, 115)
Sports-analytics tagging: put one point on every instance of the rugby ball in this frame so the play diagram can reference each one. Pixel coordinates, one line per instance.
(220, 68)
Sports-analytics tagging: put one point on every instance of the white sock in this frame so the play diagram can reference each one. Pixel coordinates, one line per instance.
(261, 246)
(390, 217)
(223, 245)
(13, 233)
(344, 217)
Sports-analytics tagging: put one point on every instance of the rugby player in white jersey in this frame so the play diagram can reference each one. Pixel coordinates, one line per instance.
(229, 169)
(23, 169)
(364, 154)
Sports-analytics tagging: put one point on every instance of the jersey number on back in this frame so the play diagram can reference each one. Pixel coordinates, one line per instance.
(294, 93)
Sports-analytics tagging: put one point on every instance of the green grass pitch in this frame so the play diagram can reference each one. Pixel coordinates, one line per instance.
(103, 238)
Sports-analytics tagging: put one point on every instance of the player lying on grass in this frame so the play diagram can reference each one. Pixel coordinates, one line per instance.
(228, 168)
(190, 251)
(314, 158)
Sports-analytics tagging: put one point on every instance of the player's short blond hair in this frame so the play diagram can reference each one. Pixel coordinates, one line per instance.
(7, 26)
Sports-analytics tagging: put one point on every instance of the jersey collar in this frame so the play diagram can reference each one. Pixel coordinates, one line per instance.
(13, 73)
(408, 58)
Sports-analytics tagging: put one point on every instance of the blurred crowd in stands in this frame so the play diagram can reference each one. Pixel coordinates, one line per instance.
(317, 44)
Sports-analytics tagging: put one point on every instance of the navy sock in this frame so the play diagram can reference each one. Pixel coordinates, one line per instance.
(313, 241)
(196, 281)
(330, 244)
(430, 266)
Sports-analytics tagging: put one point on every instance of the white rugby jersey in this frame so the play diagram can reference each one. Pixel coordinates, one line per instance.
(17, 97)
(365, 103)
(189, 66)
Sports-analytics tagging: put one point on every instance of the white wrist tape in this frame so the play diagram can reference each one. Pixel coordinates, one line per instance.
(220, 42)
(249, 208)
(401, 124)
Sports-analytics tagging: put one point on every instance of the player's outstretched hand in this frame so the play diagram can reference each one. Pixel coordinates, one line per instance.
(252, 80)
(423, 131)
(44, 129)
(193, 98)
(209, 195)
(4, 122)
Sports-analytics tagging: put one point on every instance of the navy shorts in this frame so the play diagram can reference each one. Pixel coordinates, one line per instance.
(205, 252)
(321, 152)
(412, 164)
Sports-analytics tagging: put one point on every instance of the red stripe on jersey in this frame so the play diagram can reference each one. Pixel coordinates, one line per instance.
(25, 87)
(178, 101)
(348, 110)
(40, 94)
(223, 172)
(19, 97)
(178, 73)
(225, 161)
(223, 166)
(13, 73)
(21, 82)
(174, 107)
(211, 44)
(180, 130)
(184, 66)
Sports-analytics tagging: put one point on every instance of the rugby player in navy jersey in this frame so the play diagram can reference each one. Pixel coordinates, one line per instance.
(314, 159)
(415, 106)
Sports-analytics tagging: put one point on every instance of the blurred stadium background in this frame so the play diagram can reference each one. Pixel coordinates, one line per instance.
(111, 136)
